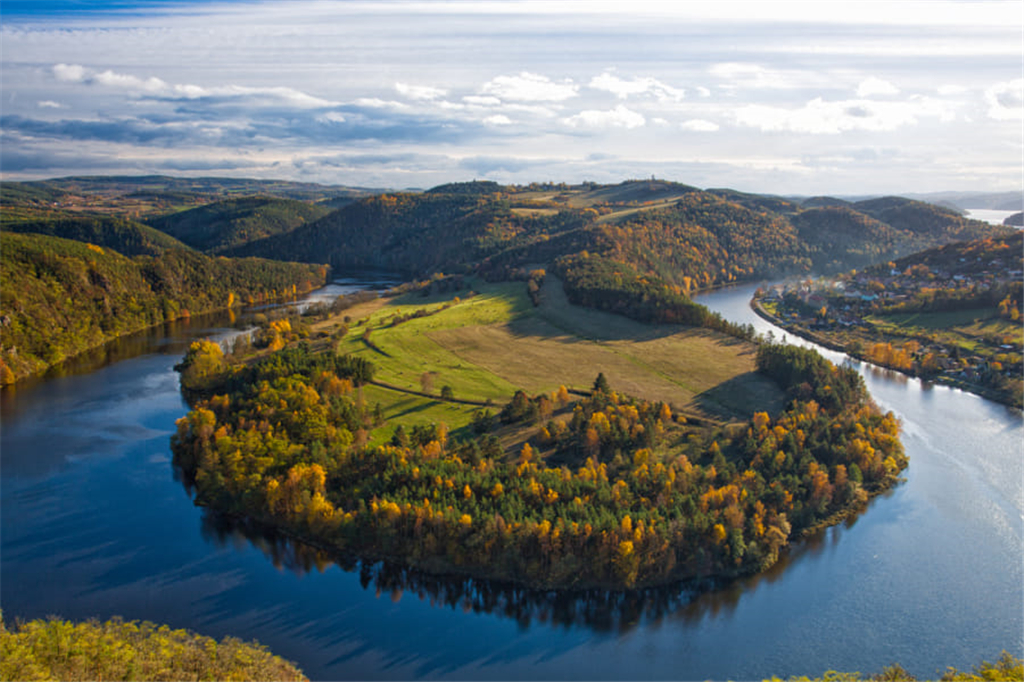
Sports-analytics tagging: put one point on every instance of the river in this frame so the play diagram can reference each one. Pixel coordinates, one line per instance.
(93, 524)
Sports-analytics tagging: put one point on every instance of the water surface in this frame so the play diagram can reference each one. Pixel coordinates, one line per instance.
(93, 524)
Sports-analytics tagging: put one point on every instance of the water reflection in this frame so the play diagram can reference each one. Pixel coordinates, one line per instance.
(599, 610)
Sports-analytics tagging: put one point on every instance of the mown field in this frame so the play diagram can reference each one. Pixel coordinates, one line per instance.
(968, 329)
(484, 347)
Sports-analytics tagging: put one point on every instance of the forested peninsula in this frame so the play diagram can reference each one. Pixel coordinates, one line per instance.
(606, 490)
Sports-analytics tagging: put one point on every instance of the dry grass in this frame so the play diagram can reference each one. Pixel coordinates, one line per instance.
(696, 370)
(487, 346)
(530, 212)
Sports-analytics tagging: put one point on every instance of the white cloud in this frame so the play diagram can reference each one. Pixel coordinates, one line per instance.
(378, 103)
(872, 86)
(156, 87)
(1006, 100)
(699, 125)
(702, 91)
(622, 88)
(128, 82)
(73, 73)
(619, 117)
(420, 92)
(481, 100)
(49, 104)
(530, 87)
(498, 120)
(829, 118)
(269, 95)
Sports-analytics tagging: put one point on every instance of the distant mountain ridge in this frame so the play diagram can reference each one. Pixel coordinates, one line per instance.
(212, 186)
(678, 233)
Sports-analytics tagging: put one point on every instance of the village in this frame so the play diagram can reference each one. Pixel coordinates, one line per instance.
(950, 318)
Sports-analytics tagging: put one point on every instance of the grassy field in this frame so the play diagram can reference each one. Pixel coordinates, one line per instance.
(486, 346)
(941, 320)
(964, 328)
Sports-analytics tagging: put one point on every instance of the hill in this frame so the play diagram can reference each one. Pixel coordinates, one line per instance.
(844, 238)
(757, 202)
(680, 235)
(110, 185)
(124, 236)
(823, 202)
(147, 196)
(629, 193)
(221, 225)
(638, 247)
(925, 223)
(473, 188)
(60, 297)
(999, 201)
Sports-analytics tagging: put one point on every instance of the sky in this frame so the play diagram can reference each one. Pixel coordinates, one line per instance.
(794, 98)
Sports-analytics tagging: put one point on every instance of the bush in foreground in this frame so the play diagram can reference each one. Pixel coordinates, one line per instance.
(54, 649)
(1007, 668)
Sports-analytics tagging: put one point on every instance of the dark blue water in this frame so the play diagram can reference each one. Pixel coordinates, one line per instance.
(93, 524)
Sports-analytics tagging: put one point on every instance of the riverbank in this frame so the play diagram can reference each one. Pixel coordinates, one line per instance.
(61, 297)
(39, 368)
(828, 342)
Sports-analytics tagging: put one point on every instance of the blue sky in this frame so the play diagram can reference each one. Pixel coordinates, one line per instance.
(783, 97)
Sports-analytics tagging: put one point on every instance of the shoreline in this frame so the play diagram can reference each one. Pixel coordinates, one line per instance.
(46, 368)
(974, 389)
(41, 372)
(441, 569)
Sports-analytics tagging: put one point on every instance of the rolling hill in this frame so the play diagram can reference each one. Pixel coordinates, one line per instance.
(219, 226)
(667, 230)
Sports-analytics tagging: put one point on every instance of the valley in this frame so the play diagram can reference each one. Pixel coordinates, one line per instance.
(542, 403)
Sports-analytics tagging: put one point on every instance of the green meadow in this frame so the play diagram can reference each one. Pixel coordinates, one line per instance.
(483, 345)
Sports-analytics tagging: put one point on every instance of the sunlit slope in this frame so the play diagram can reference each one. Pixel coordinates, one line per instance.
(486, 346)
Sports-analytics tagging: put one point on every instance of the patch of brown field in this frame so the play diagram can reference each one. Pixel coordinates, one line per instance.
(534, 211)
(697, 371)
(358, 312)
(622, 214)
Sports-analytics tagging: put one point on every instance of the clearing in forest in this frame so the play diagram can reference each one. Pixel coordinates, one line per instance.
(483, 347)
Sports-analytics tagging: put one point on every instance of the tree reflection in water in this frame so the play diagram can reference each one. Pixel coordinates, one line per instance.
(603, 611)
